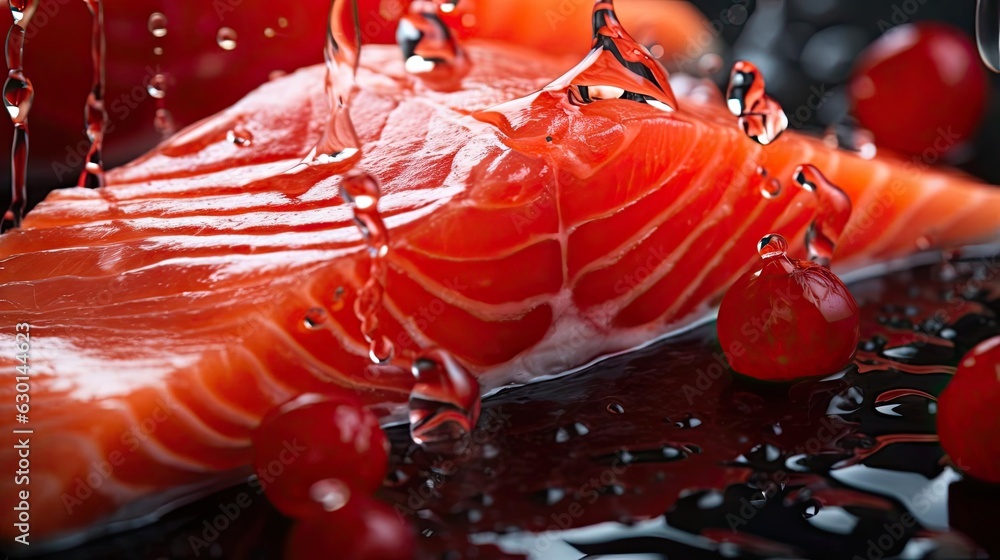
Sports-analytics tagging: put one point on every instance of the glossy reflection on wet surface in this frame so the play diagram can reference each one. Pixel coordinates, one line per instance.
(665, 452)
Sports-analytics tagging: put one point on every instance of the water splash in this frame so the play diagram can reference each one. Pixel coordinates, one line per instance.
(833, 210)
(430, 48)
(617, 67)
(444, 404)
(362, 193)
(988, 32)
(18, 95)
(339, 142)
(95, 115)
(760, 117)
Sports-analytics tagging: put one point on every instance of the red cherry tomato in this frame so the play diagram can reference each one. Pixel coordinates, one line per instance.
(317, 453)
(969, 413)
(364, 530)
(920, 89)
(789, 319)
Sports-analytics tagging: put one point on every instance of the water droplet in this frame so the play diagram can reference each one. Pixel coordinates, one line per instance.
(833, 210)
(772, 245)
(444, 404)
(562, 435)
(760, 117)
(22, 11)
(771, 188)
(226, 38)
(430, 48)
(626, 457)
(888, 409)
(554, 495)
(811, 509)
(18, 95)
(269, 32)
(157, 86)
(688, 423)
(362, 192)
(901, 352)
(711, 500)
(239, 136)
(282, 22)
(158, 51)
(396, 478)
(988, 33)
(157, 24)
(315, 318)
(332, 493)
(615, 408)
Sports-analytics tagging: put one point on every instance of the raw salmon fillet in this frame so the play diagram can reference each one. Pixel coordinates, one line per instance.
(167, 310)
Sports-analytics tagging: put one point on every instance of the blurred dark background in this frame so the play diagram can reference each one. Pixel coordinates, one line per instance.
(800, 46)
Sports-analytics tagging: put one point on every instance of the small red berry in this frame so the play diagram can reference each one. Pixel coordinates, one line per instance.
(789, 319)
(365, 529)
(314, 453)
(920, 87)
(969, 413)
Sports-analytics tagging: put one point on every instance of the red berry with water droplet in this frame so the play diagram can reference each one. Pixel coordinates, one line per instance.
(788, 319)
(969, 413)
(314, 453)
(920, 89)
(365, 529)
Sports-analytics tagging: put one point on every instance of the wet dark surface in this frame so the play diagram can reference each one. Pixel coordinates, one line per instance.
(680, 458)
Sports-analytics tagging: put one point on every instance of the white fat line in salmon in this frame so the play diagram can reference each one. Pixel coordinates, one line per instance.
(103, 469)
